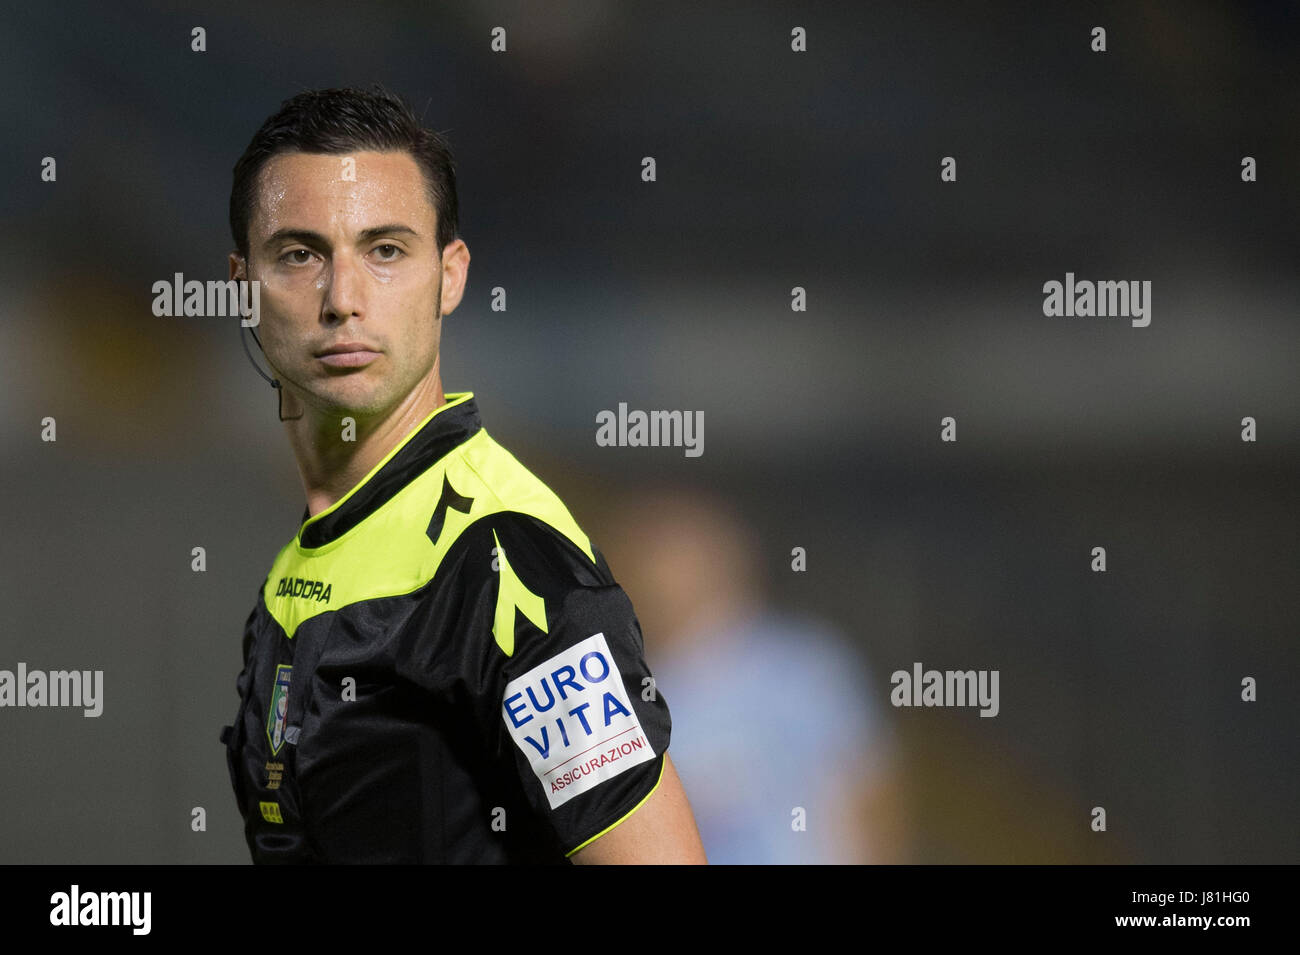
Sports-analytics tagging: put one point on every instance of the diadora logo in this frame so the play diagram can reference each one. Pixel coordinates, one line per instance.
(317, 590)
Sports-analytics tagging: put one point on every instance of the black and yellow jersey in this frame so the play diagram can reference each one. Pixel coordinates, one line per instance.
(441, 668)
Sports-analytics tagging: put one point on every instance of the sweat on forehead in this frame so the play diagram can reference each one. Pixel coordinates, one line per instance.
(353, 192)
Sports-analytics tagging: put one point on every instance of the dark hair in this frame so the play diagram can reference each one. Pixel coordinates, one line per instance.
(337, 121)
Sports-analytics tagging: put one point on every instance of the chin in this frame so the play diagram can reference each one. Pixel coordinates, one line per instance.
(358, 402)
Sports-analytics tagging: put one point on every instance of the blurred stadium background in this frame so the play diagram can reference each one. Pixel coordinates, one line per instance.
(821, 428)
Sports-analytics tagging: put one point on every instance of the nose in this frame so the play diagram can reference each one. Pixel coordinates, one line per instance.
(345, 294)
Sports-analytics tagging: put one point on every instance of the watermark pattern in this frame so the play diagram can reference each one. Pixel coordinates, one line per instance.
(1105, 299)
(72, 688)
(946, 688)
(653, 429)
(211, 299)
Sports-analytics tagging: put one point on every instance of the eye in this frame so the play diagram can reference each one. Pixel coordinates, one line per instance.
(392, 251)
(289, 259)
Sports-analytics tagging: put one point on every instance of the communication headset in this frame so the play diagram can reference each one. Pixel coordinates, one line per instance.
(273, 382)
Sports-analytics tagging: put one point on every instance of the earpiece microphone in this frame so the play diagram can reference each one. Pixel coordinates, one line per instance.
(273, 382)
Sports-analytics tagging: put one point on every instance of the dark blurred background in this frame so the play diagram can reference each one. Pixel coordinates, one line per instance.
(775, 169)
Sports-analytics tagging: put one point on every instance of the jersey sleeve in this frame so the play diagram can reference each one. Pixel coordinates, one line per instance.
(569, 705)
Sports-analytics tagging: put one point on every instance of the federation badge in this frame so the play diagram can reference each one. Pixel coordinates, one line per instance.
(276, 718)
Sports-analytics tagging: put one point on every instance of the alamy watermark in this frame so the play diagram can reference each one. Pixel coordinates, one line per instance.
(75, 907)
(83, 688)
(211, 299)
(946, 688)
(652, 429)
(1084, 298)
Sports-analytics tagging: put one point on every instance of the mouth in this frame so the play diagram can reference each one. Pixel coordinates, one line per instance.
(347, 355)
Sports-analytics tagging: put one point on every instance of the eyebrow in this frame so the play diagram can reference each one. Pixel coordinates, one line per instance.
(308, 237)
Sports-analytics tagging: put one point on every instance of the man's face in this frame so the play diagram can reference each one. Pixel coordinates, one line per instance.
(352, 286)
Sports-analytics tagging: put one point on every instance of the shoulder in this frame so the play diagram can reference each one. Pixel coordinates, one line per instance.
(504, 485)
(488, 483)
(496, 521)
(519, 563)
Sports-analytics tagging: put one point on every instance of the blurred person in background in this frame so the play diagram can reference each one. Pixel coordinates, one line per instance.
(783, 745)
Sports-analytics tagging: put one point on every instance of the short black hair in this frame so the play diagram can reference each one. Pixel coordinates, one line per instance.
(338, 121)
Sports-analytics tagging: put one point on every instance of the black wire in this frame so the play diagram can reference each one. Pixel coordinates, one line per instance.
(244, 341)
(273, 382)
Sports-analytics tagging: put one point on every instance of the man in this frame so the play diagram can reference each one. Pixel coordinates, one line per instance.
(439, 666)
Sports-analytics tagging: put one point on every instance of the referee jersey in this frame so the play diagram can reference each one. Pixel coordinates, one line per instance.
(441, 668)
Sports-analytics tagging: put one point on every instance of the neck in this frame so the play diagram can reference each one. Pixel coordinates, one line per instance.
(331, 466)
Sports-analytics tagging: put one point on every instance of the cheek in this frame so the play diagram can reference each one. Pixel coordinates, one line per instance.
(274, 325)
(420, 325)
(283, 311)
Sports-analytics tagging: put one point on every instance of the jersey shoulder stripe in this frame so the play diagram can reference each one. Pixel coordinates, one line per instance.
(399, 546)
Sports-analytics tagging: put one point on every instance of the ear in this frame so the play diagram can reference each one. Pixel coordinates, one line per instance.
(238, 267)
(455, 272)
